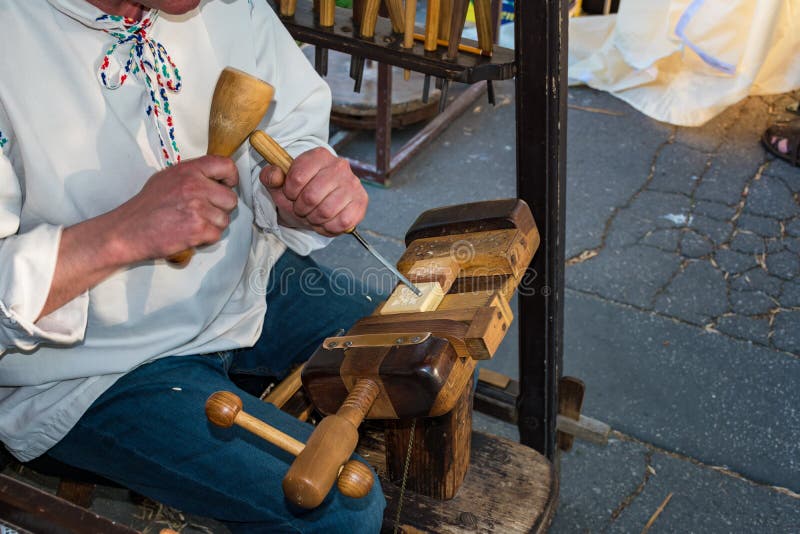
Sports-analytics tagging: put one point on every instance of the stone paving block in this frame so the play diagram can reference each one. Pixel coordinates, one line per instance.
(748, 328)
(734, 262)
(748, 243)
(785, 171)
(706, 501)
(694, 245)
(790, 295)
(774, 245)
(731, 169)
(678, 169)
(793, 227)
(627, 228)
(665, 239)
(594, 481)
(720, 400)
(696, 294)
(787, 332)
(751, 302)
(792, 244)
(715, 210)
(717, 231)
(770, 197)
(783, 264)
(631, 275)
(757, 280)
(662, 210)
(763, 226)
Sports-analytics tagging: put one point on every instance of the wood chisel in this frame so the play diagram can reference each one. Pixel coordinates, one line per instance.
(368, 21)
(276, 155)
(431, 41)
(327, 12)
(408, 30)
(483, 24)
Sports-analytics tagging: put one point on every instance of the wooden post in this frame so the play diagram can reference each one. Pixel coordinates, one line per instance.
(440, 452)
(540, 31)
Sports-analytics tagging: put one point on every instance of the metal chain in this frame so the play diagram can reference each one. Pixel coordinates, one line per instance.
(405, 477)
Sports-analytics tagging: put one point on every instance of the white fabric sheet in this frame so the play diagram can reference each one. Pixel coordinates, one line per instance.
(685, 61)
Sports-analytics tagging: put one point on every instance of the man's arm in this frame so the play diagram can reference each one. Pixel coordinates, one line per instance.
(184, 206)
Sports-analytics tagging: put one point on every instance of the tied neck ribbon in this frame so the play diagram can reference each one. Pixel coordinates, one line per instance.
(149, 61)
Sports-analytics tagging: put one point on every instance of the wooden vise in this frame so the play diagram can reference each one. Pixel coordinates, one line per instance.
(414, 359)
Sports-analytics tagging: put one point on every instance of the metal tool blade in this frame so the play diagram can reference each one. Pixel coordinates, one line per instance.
(385, 262)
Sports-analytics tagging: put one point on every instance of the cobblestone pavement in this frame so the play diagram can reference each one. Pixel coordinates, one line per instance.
(711, 235)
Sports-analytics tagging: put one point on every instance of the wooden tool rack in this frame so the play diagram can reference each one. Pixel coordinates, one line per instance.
(386, 49)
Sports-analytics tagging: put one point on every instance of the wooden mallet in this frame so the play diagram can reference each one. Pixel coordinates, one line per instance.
(239, 103)
(308, 486)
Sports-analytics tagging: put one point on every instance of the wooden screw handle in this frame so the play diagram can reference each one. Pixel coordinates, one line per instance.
(239, 103)
(353, 478)
(331, 444)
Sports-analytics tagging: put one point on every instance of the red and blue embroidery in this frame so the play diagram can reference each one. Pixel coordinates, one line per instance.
(149, 61)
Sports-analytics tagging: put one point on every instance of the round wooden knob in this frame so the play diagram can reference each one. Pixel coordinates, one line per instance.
(222, 408)
(355, 479)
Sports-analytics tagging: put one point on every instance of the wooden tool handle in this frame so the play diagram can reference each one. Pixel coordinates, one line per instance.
(288, 7)
(331, 444)
(408, 30)
(271, 151)
(396, 15)
(370, 18)
(483, 23)
(239, 103)
(327, 13)
(432, 25)
(457, 18)
(353, 478)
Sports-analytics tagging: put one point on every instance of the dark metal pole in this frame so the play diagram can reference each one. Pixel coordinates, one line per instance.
(541, 85)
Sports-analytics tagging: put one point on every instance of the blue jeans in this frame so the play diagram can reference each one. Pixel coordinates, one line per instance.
(149, 432)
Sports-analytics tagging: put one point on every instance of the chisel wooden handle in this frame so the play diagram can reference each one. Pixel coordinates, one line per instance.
(308, 486)
(432, 25)
(457, 18)
(408, 29)
(370, 18)
(327, 13)
(483, 23)
(288, 7)
(271, 151)
(396, 16)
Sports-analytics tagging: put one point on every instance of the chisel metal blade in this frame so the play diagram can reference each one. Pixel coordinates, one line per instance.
(385, 262)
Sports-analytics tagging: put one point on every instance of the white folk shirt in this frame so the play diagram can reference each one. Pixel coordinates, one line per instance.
(73, 149)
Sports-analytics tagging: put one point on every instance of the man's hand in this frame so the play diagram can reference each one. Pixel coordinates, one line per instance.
(319, 192)
(181, 207)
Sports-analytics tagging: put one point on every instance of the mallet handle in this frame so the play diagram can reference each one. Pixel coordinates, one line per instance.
(308, 486)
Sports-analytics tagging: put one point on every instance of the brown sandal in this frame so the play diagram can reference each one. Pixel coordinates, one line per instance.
(792, 136)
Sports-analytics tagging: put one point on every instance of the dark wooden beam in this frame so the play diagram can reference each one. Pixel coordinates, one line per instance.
(385, 47)
(541, 85)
